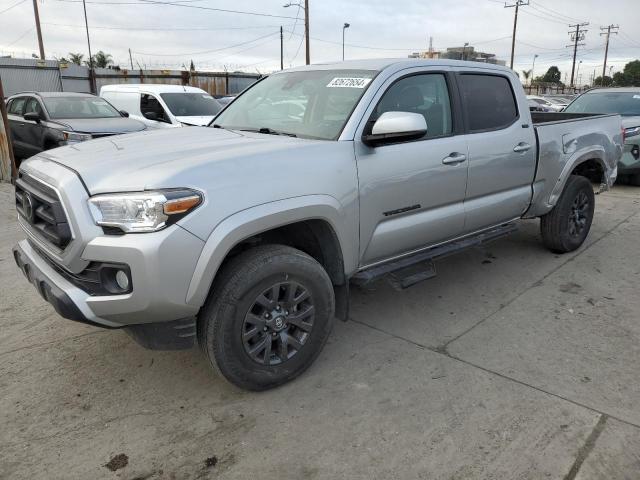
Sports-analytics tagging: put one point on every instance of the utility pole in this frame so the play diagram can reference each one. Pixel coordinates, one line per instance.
(38, 30)
(281, 49)
(92, 77)
(517, 5)
(131, 58)
(608, 33)
(306, 26)
(306, 32)
(576, 36)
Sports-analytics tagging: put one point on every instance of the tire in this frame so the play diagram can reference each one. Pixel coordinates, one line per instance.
(566, 227)
(634, 180)
(241, 305)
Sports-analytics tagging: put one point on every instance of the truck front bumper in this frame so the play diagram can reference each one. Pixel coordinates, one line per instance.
(154, 312)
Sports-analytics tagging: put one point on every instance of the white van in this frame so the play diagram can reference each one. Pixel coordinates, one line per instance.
(162, 106)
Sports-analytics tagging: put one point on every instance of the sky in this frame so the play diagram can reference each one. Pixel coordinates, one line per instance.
(162, 35)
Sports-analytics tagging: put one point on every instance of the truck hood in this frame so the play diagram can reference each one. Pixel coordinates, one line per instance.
(102, 125)
(158, 158)
(199, 121)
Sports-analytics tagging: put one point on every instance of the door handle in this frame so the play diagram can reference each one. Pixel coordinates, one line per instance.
(521, 147)
(454, 159)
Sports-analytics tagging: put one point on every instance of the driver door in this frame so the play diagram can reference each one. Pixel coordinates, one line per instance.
(153, 112)
(412, 193)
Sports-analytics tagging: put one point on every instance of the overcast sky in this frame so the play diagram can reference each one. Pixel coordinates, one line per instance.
(164, 36)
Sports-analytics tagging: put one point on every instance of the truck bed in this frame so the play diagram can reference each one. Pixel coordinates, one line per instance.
(566, 139)
(545, 118)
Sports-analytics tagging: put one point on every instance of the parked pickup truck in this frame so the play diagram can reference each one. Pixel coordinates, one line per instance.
(244, 237)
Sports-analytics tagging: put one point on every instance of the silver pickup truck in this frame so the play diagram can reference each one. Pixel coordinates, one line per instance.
(244, 236)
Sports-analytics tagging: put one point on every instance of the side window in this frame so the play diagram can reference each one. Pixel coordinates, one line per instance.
(16, 105)
(33, 105)
(150, 105)
(489, 102)
(426, 94)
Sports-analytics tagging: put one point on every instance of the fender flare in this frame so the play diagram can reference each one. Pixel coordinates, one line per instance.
(576, 159)
(258, 219)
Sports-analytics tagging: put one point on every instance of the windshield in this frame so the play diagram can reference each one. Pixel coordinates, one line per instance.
(623, 103)
(308, 104)
(79, 107)
(183, 104)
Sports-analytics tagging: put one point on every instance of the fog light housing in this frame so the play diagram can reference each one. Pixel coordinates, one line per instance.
(122, 280)
(116, 279)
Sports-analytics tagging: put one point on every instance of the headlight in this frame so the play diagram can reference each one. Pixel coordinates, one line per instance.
(72, 137)
(631, 132)
(143, 211)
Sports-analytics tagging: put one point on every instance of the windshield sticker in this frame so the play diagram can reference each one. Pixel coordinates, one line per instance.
(348, 82)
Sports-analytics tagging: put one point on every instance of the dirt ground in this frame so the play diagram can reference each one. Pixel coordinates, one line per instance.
(513, 363)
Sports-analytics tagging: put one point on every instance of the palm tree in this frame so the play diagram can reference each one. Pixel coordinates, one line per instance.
(100, 60)
(76, 58)
(526, 74)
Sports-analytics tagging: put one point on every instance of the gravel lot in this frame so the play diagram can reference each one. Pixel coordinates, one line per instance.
(513, 363)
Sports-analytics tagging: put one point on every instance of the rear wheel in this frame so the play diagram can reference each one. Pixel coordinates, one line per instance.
(270, 314)
(566, 227)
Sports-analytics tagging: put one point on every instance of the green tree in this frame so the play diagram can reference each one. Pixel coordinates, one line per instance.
(526, 74)
(630, 75)
(76, 58)
(599, 81)
(100, 60)
(553, 75)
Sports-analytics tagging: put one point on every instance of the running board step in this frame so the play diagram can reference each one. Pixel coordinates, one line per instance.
(408, 271)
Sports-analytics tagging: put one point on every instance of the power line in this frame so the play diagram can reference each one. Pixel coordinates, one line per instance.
(548, 19)
(21, 37)
(241, 12)
(558, 14)
(180, 3)
(14, 5)
(205, 51)
(105, 27)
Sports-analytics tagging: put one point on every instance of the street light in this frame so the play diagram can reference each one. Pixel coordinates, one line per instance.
(578, 71)
(464, 48)
(305, 7)
(344, 27)
(533, 68)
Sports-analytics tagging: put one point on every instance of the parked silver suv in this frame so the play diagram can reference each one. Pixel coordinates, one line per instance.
(246, 235)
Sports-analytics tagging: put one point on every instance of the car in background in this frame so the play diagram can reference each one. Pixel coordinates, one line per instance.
(536, 107)
(561, 102)
(625, 102)
(551, 107)
(43, 120)
(163, 106)
(225, 99)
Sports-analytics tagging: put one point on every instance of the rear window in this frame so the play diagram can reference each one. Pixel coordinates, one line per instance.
(489, 102)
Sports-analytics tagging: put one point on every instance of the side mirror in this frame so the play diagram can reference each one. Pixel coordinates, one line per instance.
(32, 117)
(394, 127)
(124, 113)
(151, 116)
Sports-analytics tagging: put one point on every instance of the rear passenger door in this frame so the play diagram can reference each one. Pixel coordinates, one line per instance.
(502, 150)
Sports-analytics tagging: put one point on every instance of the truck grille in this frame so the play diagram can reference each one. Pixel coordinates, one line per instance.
(40, 207)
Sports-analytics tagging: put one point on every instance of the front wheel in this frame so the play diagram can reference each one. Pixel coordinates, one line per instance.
(566, 227)
(270, 314)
